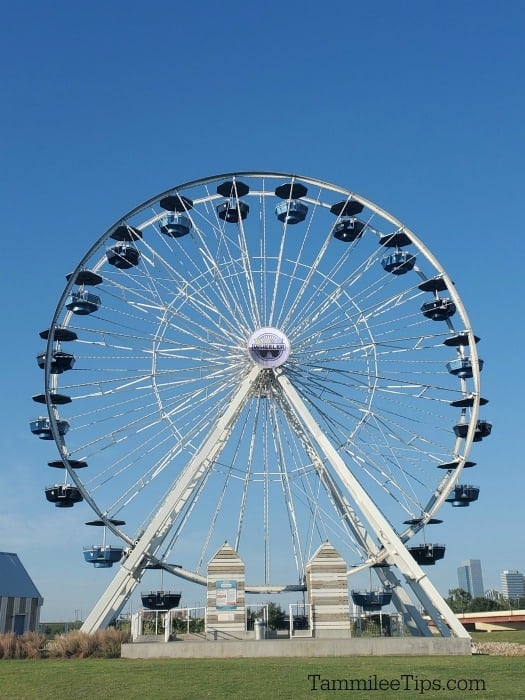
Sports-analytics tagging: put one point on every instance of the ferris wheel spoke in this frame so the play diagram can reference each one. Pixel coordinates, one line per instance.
(287, 492)
(195, 292)
(223, 268)
(311, 490)
(301, 264)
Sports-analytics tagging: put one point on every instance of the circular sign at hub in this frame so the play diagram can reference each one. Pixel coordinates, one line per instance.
(269, 347)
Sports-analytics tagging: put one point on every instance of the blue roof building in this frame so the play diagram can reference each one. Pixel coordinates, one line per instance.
(20, 601)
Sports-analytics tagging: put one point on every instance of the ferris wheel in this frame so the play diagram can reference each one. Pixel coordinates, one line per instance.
(269, 360)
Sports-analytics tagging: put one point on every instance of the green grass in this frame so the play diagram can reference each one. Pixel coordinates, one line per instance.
(250, 679)
(516, 636)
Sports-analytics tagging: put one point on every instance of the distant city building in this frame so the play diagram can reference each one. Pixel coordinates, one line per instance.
(470, 578)
(512, 584)
(493, 594)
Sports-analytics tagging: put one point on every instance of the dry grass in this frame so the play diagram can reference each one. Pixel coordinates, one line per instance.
(27, 646)
(74, 645)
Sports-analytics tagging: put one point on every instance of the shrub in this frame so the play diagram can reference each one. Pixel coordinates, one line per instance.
(31, 645)
(8, 645)
(110, 642)
(103, 643)
(75, 644)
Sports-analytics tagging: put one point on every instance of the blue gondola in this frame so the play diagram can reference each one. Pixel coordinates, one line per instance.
(372, 601)
(233, 211)
(123, 256)
(160, 600)
(83, 303)
(103, 556)
(175, 225)
(60, 361)
(463, 495)
(439, 309)
(348, 229)
(291, 212)
(41, 427)
(483, 430)
(462, 367)
(427, 554)
(63, 495)
(398, 263)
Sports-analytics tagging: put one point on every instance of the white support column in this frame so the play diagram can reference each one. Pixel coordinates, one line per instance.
(426, 592)
(411, 616)
(130, 572)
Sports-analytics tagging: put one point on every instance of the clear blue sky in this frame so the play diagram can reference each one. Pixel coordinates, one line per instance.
(418, 106)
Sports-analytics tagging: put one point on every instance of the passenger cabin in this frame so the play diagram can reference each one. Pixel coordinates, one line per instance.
(60, 361)
(175, 225)
(63, 495)
(160, 600)
(398, 263)
(103, 556)
(233, 209)
(427, 554)
(83, 303)
(372, 601)
(291, 210)
(41, 427)
(463, 495)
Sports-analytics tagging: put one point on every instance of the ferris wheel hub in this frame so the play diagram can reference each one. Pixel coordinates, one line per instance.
(269, 347)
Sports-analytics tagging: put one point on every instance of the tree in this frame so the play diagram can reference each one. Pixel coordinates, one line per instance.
(276, 616)
(458, 600)
(482, 604)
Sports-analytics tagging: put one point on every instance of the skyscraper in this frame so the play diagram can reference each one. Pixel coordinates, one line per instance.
(470, 578)
(512, 584)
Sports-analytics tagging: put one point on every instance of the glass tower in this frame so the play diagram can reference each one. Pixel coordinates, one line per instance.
(512, 584)
(470, 578)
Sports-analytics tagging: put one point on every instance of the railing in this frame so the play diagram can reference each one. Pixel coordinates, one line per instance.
(378, 624)
(300, 618)
(256, 611)
(298, 622)
(164, 623)
(187, 620)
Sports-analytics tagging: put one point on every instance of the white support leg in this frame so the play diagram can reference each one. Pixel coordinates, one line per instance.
(130, 572)
(426, 592)
(412, 618)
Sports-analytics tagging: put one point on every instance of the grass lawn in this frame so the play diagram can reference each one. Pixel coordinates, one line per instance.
(515, 636)
(249, 679)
